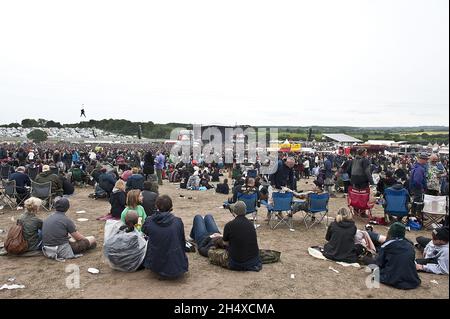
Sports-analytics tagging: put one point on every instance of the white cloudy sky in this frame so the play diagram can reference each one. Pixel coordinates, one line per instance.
(346, 62)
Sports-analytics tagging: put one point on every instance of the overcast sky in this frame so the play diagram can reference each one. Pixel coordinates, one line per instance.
(358, 63)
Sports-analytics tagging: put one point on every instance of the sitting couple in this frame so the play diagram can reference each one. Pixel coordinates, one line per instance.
(239, 239)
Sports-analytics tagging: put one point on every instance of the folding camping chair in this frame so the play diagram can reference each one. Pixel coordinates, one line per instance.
(54, 170)
(6, 171)
(434, 210)
(8, 190)
(33, 172)
(14, 199)
(358, 202)
(250, 201)
(282, 202)
(44, 192)
(318, 205)
(396, 203)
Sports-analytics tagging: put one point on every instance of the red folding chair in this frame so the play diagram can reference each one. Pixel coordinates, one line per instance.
(359, 202)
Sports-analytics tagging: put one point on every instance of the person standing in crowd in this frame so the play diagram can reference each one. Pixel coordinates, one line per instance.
(159, 166)
(360, 175)
(418, 184)
(434, 175)
(149, 165)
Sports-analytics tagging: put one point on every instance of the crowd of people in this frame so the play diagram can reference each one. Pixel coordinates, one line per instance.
(150, 232)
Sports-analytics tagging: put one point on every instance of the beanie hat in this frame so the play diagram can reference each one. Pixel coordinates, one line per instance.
(441, 233)
(62, 205)
(239, 208)
(397, 230)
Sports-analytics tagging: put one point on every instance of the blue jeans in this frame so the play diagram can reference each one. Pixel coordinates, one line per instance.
(202, 227)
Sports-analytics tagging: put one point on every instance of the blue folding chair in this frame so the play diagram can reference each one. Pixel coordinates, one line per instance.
(250, 201)
(396, 202)
(282, 202)
(317, 209)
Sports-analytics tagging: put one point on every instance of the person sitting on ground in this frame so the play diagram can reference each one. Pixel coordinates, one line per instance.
(240, 237)
(396, 260)
(78, 175)
(118, 199)
(149, 197)
(32, 226)
(126, 249)
(106, 181)
(341, 238)
(47, 176)
(136, 180)
(133, 200)
(166, 254)
(22, 183)
(68, 188)
(206, 234)
(223, 188)
(435, 252)
(55, 234)
(126, 174)
(193, 182)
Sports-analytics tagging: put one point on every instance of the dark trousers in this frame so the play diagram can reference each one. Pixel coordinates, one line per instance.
(432, 192)
(202, 227)
(423, 241)
(417, 205)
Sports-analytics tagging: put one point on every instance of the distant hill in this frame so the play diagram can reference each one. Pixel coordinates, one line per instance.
(418, 134)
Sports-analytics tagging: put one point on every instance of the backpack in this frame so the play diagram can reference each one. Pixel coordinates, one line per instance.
(15, 243)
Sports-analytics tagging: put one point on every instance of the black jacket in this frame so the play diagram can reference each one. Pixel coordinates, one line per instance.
(118, 201)
(166, 245)
(149, 164)
(397, 266)
(360, 175)
(283, 177)
(341, 242)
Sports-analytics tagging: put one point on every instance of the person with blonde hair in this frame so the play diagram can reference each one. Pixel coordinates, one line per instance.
(134, 199)
(341, 238)
(32, 226)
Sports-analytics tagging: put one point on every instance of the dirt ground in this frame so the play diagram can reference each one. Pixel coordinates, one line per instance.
(298, 275)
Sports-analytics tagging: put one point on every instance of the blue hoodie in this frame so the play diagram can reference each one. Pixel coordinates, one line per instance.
(418, 180)
(166, 243)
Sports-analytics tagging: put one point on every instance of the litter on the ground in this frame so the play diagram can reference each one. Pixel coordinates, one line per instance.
(93, 270)
(11, 279)
(434, 282)
(356, 265)
(82, 219)
(331, 268)
(292, 276)
(81, 212)
(10, 287)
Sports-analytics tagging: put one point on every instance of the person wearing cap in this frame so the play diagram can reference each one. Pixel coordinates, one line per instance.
(22, 182)
(435, 172)
(435, 252)
(418, 184)
(47, 176)
(240, 237)
(57, 244)
(396, 260)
